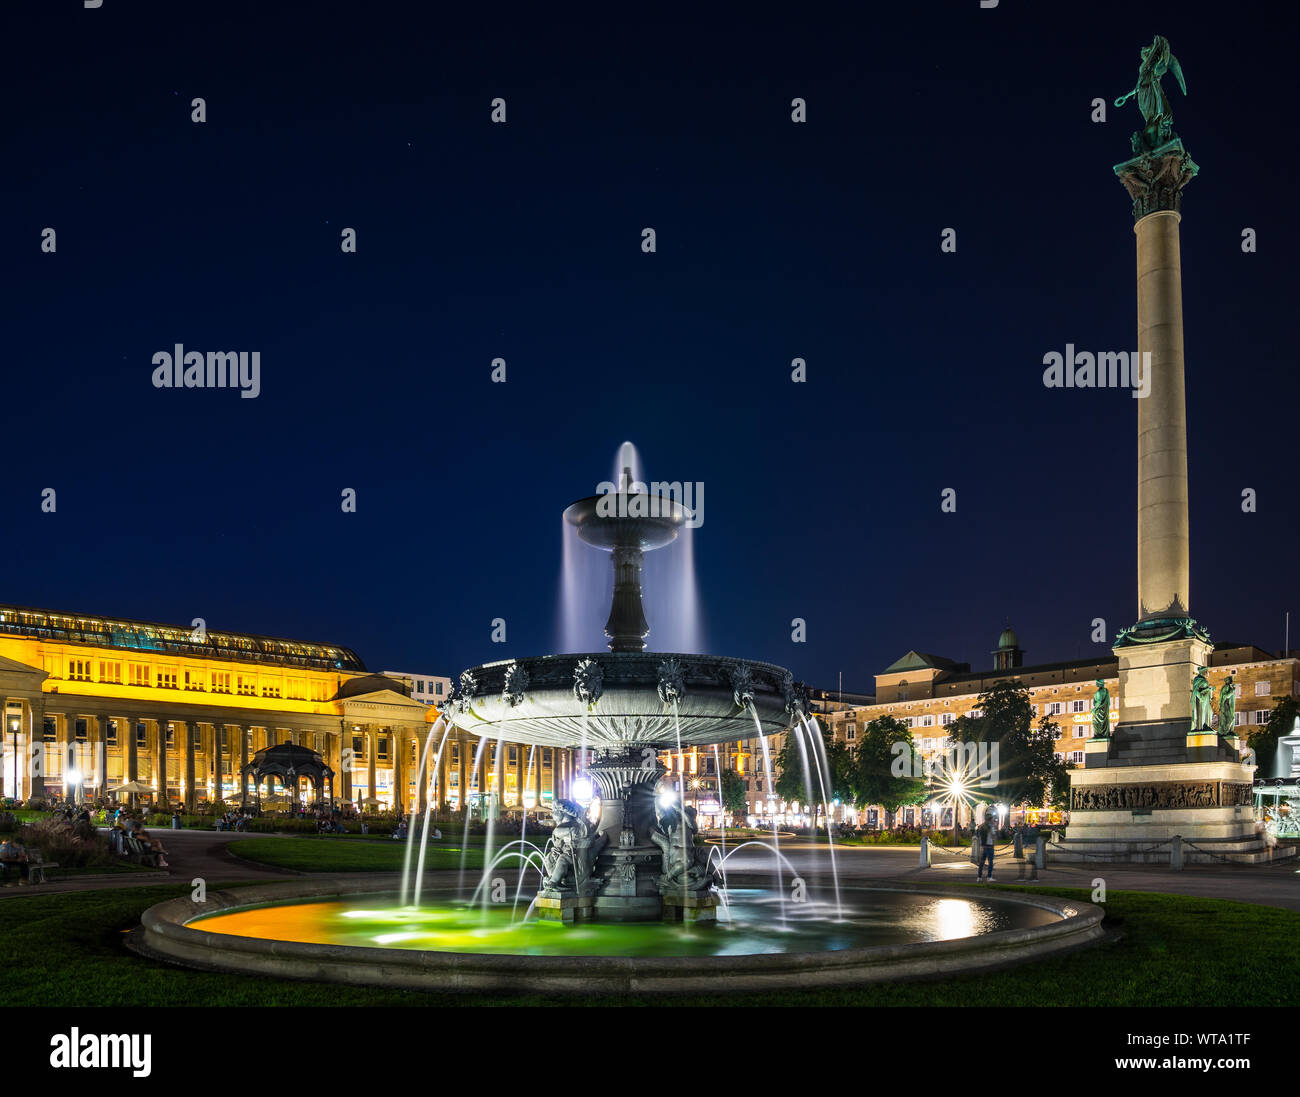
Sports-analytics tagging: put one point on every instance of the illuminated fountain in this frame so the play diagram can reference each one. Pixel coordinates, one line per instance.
(634, 856)
(622, 898)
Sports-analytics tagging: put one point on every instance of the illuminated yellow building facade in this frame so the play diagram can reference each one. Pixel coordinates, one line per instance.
(93, 703)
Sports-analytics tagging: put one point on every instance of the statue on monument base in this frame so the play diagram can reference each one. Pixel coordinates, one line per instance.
(1228, 706)
(1101, 711)
(1202, 700)
(571, 851)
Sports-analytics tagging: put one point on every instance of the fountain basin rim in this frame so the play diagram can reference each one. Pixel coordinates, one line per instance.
(166, 934)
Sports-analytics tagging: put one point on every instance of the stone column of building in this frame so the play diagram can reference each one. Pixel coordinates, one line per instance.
(67, 748)
(242, 731)
(462, 750)
(132, 753)
(372, 748)
(519, 775)
(161, 770)
(35, 716)
(538, 754)
(422, 779)
(191, 729)
(443, 747)
(218, 777)
(397, 744)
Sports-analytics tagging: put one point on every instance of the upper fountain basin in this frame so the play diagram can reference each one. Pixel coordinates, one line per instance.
(626, 698)
(627, 519)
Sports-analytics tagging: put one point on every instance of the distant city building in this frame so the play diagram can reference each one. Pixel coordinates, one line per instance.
(93, 703)
(428, 688)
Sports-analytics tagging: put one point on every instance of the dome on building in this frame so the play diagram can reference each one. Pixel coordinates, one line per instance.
(1008, 639)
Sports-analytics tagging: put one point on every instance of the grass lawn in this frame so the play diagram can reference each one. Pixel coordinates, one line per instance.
(335, 854)
(1176, 950)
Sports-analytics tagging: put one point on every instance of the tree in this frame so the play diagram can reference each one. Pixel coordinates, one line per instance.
(731, 791)
(1263, 738)
(883, 773)
(1026, 765)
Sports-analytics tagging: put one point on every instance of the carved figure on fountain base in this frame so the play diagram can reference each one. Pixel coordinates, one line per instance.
(570, 855)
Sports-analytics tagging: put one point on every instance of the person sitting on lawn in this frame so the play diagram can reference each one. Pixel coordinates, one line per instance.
(14, 858)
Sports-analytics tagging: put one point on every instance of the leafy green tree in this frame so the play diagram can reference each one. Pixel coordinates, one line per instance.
(882, 770)
(1263, 738)
(731, 790)
(1028, 768)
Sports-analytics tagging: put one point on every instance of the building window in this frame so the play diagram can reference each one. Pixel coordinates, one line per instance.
(221, 681)
(927, 721)
(1076, 756)
(166, 677)
(48, 732)
(194, 680)
(850, 732)
(358, 746)
(110, 733)
(1080, 730)
(1079, 706)
(271, 691)
(419, 685)
(170, 736)
(437, 689)
(79, 670)
(1263, 689)
(139, 674)
(141, 735)
(1055, 708)
(80, 731)
(1261, 716)
(382, 753)
(317, 690)
(246, 685)
(945, 718)
(297, 689)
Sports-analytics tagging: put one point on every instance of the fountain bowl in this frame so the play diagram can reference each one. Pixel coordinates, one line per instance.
(169, 932)
(536, 700)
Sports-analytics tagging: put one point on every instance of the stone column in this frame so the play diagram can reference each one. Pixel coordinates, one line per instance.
(346, 761)
(443, 747)
(372, 748)
(520, 776)
(422, 779)
(218, 741)
(161, 771)
(397, 745)
(538, 755)
(242, 732)
(462, 749)
(1155, 181)
(191, 728)
(132, 755)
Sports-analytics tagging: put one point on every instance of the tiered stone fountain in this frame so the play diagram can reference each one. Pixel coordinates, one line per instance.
(637, 860)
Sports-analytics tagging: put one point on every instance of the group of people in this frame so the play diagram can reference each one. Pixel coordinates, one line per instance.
(124, 826)
(231, 820)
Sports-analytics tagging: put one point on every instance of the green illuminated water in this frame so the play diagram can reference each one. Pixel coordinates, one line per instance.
(756, 926)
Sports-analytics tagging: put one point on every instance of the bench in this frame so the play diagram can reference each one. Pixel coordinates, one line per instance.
(36, 870)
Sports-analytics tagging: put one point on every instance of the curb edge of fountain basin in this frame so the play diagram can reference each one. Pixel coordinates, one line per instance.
(165, 935)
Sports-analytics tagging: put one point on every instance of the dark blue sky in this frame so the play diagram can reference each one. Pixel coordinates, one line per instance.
(522, 241)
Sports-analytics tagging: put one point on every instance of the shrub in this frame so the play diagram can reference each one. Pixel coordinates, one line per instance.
(57, 843)
(37, 803)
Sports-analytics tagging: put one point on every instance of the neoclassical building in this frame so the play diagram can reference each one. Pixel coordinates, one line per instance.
(92, 703)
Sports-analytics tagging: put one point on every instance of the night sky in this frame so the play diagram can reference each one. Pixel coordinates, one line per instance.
(523, 241)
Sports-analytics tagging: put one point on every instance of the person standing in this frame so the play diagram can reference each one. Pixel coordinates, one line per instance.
(986, 835)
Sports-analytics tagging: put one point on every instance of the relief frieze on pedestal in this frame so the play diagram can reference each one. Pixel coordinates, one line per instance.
(1162, 794)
